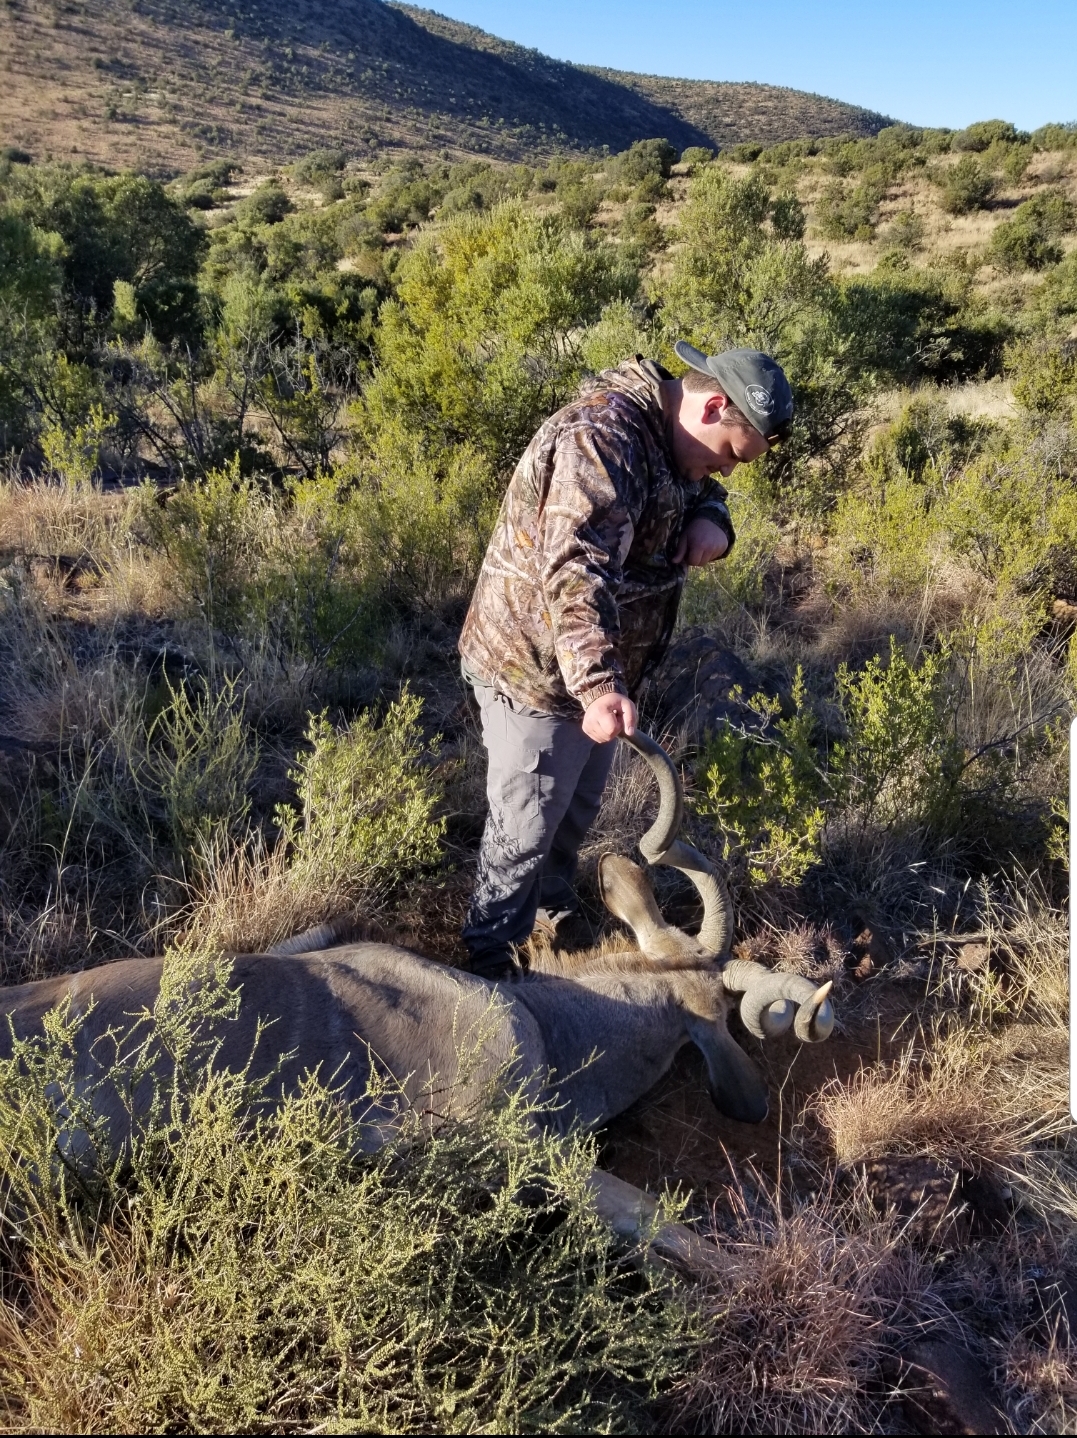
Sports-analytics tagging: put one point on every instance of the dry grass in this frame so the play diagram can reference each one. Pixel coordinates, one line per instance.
(797, 1342)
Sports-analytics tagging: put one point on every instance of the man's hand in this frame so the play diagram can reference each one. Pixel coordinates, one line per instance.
(608, 716)
(702, 542)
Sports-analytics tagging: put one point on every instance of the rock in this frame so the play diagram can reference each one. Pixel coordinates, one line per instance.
(871, 951)
(692, 687)
(1064, 616)
(920, 1190)
(939, 1201)
(972, 957)
(945, 1389)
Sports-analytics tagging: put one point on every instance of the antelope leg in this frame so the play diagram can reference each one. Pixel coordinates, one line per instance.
(632, 1213)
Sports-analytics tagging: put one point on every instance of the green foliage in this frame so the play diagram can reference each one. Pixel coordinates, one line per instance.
(31, 277)
(984, 133)
(267, 205)
(1044, 375)
(74, 456)
(965, 186)
(643, 159)
(366, 813)
(294, 573)
(116, 227)
(787, 217)
(900, 764)
(906, 323)
(763, 786)
(480, 342)
(886, 534)
(1054, 303)
(732, 283)
(276, 1276)
(1055, 137)
(1027, 242)
(852, 214)
(201, 757)
(695, 156)
(906, 230)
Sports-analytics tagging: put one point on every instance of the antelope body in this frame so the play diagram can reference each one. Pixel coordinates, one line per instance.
(587, 1038)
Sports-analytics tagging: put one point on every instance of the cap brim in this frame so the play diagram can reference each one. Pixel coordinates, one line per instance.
(691, 356)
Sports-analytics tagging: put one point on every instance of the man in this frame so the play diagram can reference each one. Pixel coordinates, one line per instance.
(577, 599)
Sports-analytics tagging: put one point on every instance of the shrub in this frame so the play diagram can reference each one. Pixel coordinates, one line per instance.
(366, 806)
(200, 759)
(643, 159)
(787, 217)
(243, 1273)
(1044, 375)
(850, 215)
(1017, 245)
(481, 341)
(695, 156)
(267, 205)
(1055, 137)
(978, 137)
(1025, 241)
(900, 764)
(762, 787)
(965, 186)
(906, 230)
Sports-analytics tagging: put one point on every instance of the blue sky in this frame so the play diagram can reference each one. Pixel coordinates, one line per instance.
(943, 63)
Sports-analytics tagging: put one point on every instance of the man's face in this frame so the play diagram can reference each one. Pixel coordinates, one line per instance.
(705, 443)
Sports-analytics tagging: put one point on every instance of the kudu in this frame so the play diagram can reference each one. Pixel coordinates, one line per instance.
(587, 1036)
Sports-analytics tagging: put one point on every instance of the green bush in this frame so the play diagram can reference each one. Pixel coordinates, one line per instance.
(480, 342)
(900, 764)
(850, 215)
(200, 758)
(787, 217)
(1044, 375)
(291, 572)
(984, 133)
(1027, 241)
(248, 1272)
(695, 156)
(266, 205)
(906, 230)
(762, 788)
(1017, 245)
(642, 160)
(965, 186)
(366, 815)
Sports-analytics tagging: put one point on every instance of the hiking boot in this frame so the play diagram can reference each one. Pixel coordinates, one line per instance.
(565, 928)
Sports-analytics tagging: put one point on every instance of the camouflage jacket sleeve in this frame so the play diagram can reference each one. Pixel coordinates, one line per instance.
(711, 504)
(585, 532)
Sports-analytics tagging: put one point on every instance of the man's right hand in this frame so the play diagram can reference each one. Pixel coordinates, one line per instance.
(608, 716)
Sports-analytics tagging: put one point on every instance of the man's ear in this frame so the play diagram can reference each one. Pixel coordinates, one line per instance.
(714, 409)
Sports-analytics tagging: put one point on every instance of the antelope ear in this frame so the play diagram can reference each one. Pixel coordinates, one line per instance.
(737, 1088)
(626, 891)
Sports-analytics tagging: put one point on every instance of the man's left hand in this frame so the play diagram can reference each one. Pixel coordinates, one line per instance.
(702, 542)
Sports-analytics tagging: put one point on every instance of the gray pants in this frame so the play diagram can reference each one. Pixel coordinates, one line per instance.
(544, 786)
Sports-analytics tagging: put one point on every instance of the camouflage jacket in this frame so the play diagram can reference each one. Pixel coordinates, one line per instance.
(578, 595)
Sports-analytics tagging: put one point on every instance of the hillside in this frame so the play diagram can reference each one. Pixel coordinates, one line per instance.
(155, 85)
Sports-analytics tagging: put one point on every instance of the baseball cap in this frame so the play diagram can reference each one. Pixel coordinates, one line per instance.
(753, 381)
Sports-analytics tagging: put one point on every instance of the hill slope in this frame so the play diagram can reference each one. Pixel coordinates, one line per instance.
(156, 84)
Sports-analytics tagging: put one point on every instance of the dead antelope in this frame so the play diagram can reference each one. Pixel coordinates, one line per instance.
(587, 1037)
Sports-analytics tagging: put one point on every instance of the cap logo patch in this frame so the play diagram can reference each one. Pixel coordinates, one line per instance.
(758, 398)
